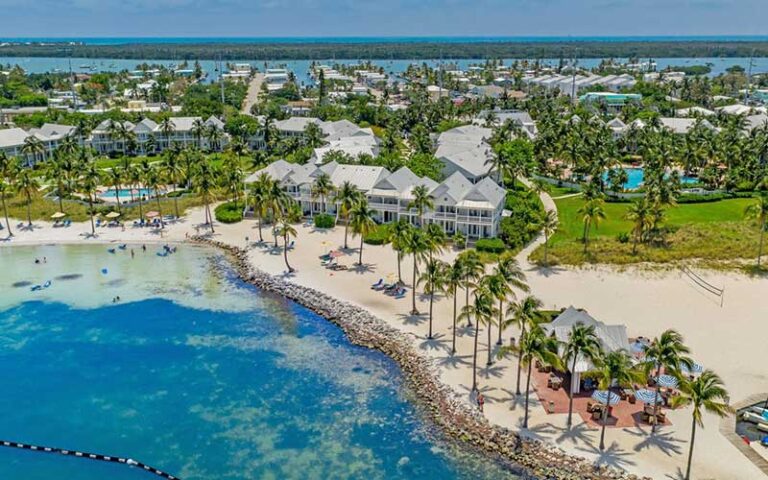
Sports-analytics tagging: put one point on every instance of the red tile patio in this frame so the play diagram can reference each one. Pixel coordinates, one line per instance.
(624, 414)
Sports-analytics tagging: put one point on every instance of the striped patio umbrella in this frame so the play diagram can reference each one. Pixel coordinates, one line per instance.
(647, 396)
(666, 381)
(605, 397)
(694, 370)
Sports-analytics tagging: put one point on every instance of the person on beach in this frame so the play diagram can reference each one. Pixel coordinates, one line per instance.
(480, 401)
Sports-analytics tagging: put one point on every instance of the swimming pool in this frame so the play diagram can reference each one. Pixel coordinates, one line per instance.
(635, 178)
(127, 193)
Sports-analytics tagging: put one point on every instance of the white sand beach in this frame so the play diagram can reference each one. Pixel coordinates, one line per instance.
(728, 339)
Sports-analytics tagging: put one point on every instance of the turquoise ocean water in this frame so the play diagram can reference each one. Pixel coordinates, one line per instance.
(197, 374)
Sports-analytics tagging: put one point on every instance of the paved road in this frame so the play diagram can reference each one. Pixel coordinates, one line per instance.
(254, 88)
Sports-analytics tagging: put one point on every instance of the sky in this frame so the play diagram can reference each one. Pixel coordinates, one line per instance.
(371, 18)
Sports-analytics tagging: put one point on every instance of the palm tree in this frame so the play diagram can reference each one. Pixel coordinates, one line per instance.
(323, 187)
(198, 131)
(433, 279)
(535, 345)
(524, 315)
(361, 220)
(28, 185)
(346, 197)
(115, 179)
(582, 343)
(287, 231)
(134, 176)
(154, 182)
(54, 172)
(167, 128)
(453, 280)
(592, 213)
(5, 189)
(499, 289)
(422, 201)
(260, 195)
(614, 368)
(436, 239)
(548, 226)
(758, 211)
(397, 235)
(639, 213)
(511, 276)
(278, 201)
(88, 184)
(204, 181)
(33, 147)
(416, 245)
(473, 270)
(669, 352)
(482, 310)
(174, 173)
(707, 392)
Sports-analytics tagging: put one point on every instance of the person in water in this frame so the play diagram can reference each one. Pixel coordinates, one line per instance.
(144, 248)
(133, 254)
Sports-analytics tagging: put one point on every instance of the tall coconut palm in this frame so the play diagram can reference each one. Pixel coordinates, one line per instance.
(361, 221)
(582, 344)
(417, 246)
(592, 213)
(167, 128)
(705, 393)
(670, 353)
(473, 270)
(174, 173)
(89, 182)
(260, 197)
(154, 181)
(758, 211)
(454, 279)
(27, 184)
(204, 180)
(483, 311)
(523, 314)
(433, 279)
(198, 131)
(614, 368)
(322, 187)
(639, 213)
(115, 180)
(34, 148)
(548, 227)
(422, 201)
(346, 197)
(287, 231)
(54, 172)
(511, 277)
(279, 203)
(397, 236)
(6, 187)
(499, 289)
(534, 346)
(436, 239)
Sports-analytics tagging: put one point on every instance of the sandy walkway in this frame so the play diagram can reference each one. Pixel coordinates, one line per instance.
(730, 339)
(254, 89)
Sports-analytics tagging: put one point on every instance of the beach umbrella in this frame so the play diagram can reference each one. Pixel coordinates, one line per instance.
(605, 396)
(666, 381)
(694, 370)
(58, 215)
(638, 347)
(112, 215)
(152, 214)
(647, 396)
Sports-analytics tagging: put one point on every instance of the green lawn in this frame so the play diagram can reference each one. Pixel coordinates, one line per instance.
(707, 231)
(556, 191)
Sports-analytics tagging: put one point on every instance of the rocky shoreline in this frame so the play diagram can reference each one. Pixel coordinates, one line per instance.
(455, 416)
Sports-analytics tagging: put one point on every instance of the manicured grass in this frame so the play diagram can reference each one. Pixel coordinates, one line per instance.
(555, 191)
(707, 231)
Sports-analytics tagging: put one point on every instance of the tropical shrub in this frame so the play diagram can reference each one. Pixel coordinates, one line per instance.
(324, 220)
(229, 212)
(490, 245)
(378, 236)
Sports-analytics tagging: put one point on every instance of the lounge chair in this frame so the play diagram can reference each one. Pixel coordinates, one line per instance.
(381, 280)
(291, 245)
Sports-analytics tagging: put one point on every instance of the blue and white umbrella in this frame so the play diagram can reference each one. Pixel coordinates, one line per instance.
(605, 396)
(638, 347)
(694, 370)
(666, 381)
(647, 396)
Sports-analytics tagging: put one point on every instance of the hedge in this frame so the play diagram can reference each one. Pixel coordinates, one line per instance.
(490, 245)
(324, 220)
(229, 212)
(378, 236)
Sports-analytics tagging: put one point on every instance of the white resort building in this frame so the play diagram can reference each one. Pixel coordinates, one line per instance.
(184, 131)
(475, 210)
(50, 135)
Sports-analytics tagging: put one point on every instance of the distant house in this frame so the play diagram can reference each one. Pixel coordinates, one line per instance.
(50, 136)
(611, 337)
(500, 117)
(183, 133)
(612, 101)
(682, 126)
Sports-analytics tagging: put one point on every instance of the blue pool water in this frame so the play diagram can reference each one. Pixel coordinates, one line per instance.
(635, 178)
(125, 193)
(222, 382)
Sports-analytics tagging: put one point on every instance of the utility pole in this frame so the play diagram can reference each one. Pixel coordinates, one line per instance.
(221, 80)
(573, 79)
(749, 79)
(72, 84)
